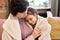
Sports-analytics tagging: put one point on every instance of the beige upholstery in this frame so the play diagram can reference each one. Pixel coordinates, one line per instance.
(55, 23)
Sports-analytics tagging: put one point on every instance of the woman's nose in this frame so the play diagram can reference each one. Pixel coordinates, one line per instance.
(25, 14)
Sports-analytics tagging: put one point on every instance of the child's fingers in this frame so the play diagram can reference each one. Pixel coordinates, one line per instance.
(37, 30)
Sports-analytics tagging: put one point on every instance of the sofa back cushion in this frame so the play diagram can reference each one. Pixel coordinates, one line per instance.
(55, 25)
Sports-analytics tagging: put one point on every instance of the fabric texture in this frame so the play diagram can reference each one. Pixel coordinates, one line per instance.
(55, 23)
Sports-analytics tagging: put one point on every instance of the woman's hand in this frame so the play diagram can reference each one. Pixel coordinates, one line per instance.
(36, 33)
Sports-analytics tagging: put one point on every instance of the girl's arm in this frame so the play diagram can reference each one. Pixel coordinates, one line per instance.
(34, 35)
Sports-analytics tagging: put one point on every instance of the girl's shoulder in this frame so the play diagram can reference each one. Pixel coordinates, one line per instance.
(41, 18)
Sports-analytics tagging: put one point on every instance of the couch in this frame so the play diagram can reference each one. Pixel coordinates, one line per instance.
(55, 25)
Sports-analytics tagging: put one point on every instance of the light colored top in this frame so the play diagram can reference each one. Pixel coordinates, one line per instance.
(12, 30)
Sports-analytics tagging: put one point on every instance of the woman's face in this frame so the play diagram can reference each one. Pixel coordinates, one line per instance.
(31, 19)
(22, 15)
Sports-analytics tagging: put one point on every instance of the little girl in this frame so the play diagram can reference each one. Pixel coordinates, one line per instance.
(40, 23)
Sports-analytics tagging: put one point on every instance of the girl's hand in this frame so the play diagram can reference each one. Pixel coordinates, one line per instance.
(36, 33)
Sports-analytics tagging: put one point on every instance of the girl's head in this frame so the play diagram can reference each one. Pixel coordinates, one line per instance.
(19, 8)
(31, 16)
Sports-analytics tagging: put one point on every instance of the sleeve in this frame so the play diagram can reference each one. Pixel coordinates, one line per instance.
(30, 38)
(6, 36)
(45, 30)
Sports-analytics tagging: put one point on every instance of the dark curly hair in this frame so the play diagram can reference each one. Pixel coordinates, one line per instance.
(18, 6)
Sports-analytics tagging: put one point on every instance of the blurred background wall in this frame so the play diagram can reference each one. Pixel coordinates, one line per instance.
(54, 7)
(4, 8)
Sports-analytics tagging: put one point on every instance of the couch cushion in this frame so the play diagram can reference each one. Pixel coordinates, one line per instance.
(1, 29)
(55, 23)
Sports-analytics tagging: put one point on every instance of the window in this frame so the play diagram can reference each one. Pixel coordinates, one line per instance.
(39, 3)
